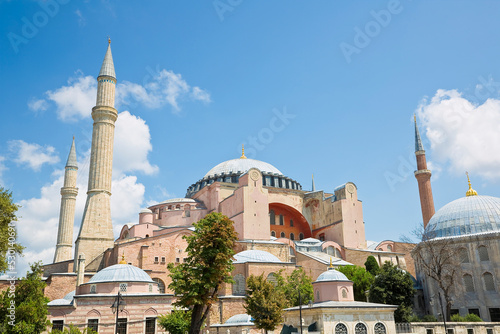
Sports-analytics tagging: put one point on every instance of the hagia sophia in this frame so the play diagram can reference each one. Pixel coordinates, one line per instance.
(280, 226)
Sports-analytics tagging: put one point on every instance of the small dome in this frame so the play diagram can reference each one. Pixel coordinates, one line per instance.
(466, 215)
(146, 211)
(58, 302)
(255, 256)
(239, 319)
(242, 166)
(120, 273)
(70, 295)
(331, 275)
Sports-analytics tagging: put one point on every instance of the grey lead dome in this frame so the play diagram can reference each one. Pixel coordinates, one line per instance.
(465, 216)
(242, 166)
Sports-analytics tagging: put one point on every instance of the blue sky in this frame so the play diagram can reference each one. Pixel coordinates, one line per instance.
(198, 79)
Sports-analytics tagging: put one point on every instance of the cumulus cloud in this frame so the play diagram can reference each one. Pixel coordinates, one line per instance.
(463, 135)
(75, 100)
(32, 155)
(132, 145)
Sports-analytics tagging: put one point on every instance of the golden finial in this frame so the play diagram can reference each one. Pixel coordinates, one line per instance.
(123, 259)
(470, 192)
(243, 152)
(109, 40)
(331, 264)
(415, 118)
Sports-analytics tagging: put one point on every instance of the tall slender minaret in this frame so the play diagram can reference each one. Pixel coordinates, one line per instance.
(423, 176)
(69, 191)
(96, 231)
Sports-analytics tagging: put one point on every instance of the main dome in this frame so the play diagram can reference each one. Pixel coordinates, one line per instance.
(241, 166)
(464, 216)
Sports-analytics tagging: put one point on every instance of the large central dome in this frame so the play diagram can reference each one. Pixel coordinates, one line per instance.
(467, 215)
(241, 166)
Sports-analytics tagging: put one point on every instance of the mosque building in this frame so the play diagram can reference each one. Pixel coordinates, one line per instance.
(468, 229)
(280, 225)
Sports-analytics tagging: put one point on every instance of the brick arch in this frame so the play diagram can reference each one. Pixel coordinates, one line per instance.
(94, 314)
(58, 314)
(300, 224)
(150, 312)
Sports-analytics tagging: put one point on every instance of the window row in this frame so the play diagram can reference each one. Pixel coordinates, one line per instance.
(283, 235)
(272, 219)
(149, 326)
(482, 253)
(163, 260)
(488, 282)
(360, 328)
(239, 285)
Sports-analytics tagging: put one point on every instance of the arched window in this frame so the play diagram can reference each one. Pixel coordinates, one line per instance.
(282, 235)
(389, 248)
(344, 293)
(169, 207)
(292, 236)
(301, 236)
(282, 220)
(469, 284)
(340, 329)
(360, 328)
(483, 253)
(337, 253)
(272, 217)
(379, 328)
(239, 285)
(330, 250)
(464, 255)
(178, 207)
(317, 295)
(161, 285)
(489, 283)
(273, 234)
(272, 278)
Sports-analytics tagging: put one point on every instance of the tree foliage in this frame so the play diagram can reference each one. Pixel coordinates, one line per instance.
(24, 310)
(264, 302)
(8, 233)
(290, 286)
(73, 330)
(395, 287)
(196, 282)
(362, 280)
(371, 265)
(177, 322)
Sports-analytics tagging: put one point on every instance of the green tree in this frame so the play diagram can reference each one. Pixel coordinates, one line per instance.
(264, 302)
(196, 282)
(9, 248)
(291, 284)
(371, 265)
(24, 310)
(73, 330)
(395, 287)
(177, 322)
(362, 280)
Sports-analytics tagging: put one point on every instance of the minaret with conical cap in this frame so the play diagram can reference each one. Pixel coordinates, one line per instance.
(423, 176)
(69, 191)
(96, 230)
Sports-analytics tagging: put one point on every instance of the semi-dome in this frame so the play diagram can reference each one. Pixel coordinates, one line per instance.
(255, 255)
(120, 273)
(240, 319)
(241, 166)
(465, 216)
(331, 275)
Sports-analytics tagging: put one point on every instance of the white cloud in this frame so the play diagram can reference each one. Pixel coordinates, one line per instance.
(132, 145)
(3, 168)
(32, 155)
(76, 100)
(201, 95)
(462, 134)
(38, 105)
(81, 20)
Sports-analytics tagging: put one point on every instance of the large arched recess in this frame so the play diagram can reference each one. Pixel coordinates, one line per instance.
(294, 224)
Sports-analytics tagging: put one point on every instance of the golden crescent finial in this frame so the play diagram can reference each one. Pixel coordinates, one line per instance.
(243, 152)
(331, 263)
(470, 192)
(109, 40)
(123, 259)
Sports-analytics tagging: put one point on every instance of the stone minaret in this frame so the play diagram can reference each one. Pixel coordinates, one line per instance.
(96, 231)
(69, 191)
(423, 176)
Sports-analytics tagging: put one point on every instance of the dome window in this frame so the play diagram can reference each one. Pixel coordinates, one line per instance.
(92, 288)
(379, 328)
(360, 328)
(123, 287)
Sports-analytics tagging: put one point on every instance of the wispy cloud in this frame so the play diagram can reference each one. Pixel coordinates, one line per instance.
(3, 168)
(75, 100)
(463, 135)
(32, 155)
(81, 20)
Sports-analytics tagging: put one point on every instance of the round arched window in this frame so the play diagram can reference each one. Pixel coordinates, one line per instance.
(341, 329)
